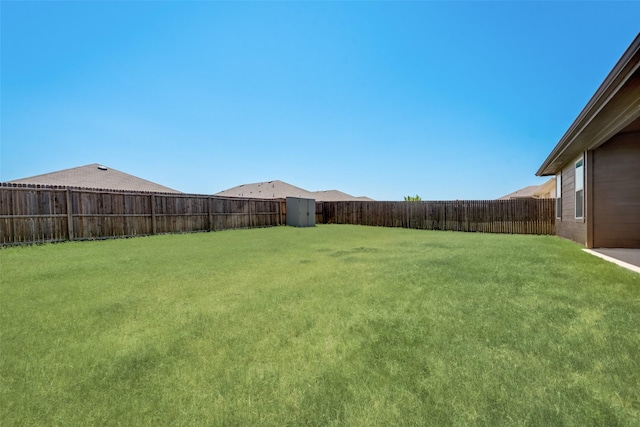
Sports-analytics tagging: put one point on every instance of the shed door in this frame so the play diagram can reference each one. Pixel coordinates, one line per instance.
(311, 213)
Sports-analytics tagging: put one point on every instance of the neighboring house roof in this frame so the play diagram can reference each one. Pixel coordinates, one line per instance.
(266, 190)
(95, 176)
(337, 196)
(279, 190)
(614, 106)
(542, 191)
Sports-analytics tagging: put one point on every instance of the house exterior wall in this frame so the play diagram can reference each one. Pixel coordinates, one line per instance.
(616, 192)
(568, 226)
(606, 135)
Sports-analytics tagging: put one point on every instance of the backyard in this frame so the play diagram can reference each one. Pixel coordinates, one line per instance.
(331, 325)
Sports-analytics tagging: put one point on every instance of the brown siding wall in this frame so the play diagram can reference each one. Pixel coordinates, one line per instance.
(616, 193)
(569, 227)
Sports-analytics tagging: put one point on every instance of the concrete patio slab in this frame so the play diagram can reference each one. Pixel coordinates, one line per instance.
(627, 258)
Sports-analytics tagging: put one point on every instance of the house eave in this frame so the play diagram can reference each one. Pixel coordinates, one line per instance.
(614, 105)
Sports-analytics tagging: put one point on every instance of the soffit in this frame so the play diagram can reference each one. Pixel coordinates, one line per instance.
(632, 127)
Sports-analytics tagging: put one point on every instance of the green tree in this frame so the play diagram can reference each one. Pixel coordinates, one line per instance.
(415, 198)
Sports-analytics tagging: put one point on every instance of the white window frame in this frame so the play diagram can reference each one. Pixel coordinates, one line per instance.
(579, 187)
(559, 195)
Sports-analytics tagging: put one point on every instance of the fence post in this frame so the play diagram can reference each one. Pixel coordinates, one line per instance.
(153, 214)
(14, 226)
(324, 212)
(69, 215)
(283, 211)
(249, 202)
(280, 211)
(210, 212)
(405, 214)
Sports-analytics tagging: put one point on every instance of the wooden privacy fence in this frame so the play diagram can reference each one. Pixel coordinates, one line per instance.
(517, 216)
(35, 214)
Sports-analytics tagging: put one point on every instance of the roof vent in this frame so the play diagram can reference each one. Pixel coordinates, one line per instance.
(102, 168)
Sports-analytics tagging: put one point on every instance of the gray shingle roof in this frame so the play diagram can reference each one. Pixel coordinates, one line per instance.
(337, 196)
(542, 191)
(279, 190)
(95, 176)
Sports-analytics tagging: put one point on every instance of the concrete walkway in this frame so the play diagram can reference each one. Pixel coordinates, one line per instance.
(627, 258)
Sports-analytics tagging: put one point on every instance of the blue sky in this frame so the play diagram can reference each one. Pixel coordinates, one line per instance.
(448, 100)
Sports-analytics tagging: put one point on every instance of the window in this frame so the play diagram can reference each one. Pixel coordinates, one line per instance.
(559, 195)
(580, 188)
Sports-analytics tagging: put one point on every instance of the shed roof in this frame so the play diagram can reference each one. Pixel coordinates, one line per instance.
(614, 106)
(95, 176)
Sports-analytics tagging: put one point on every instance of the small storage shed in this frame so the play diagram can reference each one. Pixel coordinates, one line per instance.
(301, 212)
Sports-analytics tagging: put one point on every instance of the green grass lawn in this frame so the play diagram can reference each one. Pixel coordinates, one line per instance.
(334, 325)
